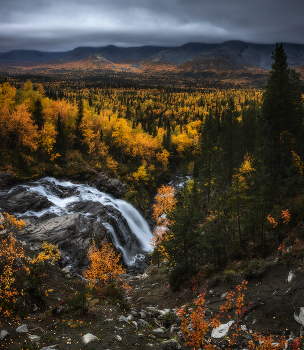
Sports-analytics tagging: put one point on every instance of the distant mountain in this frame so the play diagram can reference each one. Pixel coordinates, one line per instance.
(235, 55)
(191, 57)
(28, 56)
(112, 53)
(181, 54)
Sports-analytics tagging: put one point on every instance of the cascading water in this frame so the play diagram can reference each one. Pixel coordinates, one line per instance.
(65, 198)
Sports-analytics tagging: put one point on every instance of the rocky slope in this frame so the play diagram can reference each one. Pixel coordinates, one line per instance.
(273, 296)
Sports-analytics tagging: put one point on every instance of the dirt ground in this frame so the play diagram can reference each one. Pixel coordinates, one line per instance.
(270, 300)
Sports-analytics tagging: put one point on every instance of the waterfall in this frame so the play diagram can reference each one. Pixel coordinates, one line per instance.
(65, 198)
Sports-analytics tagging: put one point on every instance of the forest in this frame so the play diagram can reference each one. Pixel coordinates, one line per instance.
(242, 149)
(239, 152)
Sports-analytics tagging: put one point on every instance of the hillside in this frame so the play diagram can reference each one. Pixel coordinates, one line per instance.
(229, 56)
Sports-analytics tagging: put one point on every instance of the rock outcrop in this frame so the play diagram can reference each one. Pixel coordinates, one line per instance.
(111, 186)
(72, 215)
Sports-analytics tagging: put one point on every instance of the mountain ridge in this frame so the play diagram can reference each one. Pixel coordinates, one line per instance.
(229, 55)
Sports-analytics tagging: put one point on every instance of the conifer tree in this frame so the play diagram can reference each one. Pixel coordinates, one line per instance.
(61, 145)
(80, 114)
(37, 114)
(183, 242)
(281, 115)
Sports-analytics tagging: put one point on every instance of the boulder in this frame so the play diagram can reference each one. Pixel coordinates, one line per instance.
(71, 216)
(89, 338)
(3, 334)
(170, 344)
(22, 329)
(20, 200)
(300, 318)
(34, 338)
(111, 186)
(222, 330)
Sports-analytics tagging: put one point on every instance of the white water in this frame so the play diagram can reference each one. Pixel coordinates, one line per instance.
(81, 192)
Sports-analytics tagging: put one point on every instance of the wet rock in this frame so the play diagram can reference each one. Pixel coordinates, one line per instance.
(84, 220)
(89, 338)
(21, 200)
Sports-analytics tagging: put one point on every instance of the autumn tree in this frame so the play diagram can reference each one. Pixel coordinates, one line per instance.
(23, 133)
(104, 266)
(164, 203)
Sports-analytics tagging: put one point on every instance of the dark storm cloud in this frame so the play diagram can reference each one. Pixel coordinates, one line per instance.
(55, 25)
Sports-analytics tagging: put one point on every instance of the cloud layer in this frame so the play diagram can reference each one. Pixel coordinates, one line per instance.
(60, 25)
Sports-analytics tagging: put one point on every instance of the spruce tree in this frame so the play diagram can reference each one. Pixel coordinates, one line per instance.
(281, 116)
(61, 144)
(183, 243)
(37, 114)
(78, 123)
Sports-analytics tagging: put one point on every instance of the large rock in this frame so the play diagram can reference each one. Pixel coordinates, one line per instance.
(89, 338)
(72, 215)
(112, 186)
(20, 200)
(73, 233)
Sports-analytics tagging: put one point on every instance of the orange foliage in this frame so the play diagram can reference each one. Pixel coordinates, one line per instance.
(272, 220)
(286, 216)
(104, 266)
(10, 253)
(196, 326)
(165, 202)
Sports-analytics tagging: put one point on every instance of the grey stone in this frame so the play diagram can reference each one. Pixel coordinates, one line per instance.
(50, 347)
(34, 338)
(143, 322)
(221, 331)
(158, 330)
(3, 334)
(170, 344)
(22, 329)
(123, 318)
(111, 186)
(89, 338)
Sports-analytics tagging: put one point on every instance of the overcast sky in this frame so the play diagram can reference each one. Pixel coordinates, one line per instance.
(61, 25)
